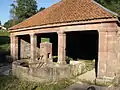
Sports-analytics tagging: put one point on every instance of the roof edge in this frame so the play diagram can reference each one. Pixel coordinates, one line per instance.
(66, 24)
(105, 8)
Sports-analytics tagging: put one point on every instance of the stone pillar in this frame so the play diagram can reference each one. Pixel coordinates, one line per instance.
(14, 47)
(22, 49)
(33, 40)
(107, 58)
(112, 61)
(46, 51)
(102, 54)
(61, 48)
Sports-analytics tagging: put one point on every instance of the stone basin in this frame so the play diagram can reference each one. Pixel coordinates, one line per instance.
(45, 72)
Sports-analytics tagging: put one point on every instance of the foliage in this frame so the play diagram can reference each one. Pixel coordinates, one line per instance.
(42, 8)
(45, 40)
(90, 64)
(10, 23)
(12, 83)
(113, 5)
(23, 9)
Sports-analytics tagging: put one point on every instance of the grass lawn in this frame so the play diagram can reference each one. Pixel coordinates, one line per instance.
(12, 83)
(4, 45)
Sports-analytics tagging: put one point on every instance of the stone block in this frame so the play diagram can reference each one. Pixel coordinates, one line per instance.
(45, 51)
(47, 72)
(104, 81)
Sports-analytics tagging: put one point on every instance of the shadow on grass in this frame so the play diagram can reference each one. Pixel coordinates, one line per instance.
(4, 40)
(4, 57)
(4, 49)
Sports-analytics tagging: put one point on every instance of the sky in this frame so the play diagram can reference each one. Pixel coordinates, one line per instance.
(5, 7)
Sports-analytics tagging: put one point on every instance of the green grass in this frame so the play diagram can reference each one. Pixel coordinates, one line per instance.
(45, 40)
(90, 64)
(4, 33)
(12, 83)
(4, 45)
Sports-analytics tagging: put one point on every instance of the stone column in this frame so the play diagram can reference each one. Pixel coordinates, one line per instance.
(102, 54)
(33, 40)
(22, 49)
(61, 48)
(14, 47)
(107, 59)
(112, 61)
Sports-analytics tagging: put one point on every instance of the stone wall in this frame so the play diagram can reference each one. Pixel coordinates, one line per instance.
(24, 49)
(117, 48)
(48, 72)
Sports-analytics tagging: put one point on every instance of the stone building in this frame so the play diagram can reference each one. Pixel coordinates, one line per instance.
(76, 28)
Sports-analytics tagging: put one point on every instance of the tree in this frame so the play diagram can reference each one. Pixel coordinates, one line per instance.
(116, 5)
(42, 8)
(0, 23)
(23, 9)
(113, 5)
(9, 23)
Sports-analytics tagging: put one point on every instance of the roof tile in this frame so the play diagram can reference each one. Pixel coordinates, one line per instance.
(66, 11)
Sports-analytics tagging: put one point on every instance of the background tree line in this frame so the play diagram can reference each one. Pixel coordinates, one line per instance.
(113, 5)
(23, 9)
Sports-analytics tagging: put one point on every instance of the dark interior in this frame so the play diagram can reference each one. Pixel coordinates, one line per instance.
(83, 45)
(53, 37)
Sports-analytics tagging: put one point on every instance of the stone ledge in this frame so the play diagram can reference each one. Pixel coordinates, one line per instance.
(105, 81)
(47, 72)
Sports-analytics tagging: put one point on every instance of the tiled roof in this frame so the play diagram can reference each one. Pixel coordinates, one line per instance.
(66, 11)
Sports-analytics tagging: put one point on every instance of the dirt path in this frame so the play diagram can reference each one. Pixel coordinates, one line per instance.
(89, 76)
(85, 87)
(90, 87)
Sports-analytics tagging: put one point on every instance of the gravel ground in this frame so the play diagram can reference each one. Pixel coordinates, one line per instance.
(84, 86)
